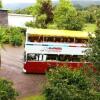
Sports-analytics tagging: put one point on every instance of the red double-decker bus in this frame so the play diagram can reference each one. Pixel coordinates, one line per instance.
(47, 48)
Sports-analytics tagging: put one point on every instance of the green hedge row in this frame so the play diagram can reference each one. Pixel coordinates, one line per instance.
(13, 35)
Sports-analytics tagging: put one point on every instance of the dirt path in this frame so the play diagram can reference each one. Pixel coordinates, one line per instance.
(12, 62)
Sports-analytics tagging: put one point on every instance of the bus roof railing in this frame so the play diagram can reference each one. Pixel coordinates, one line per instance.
(59, 33)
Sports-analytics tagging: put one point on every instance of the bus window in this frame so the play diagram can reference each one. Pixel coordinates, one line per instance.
(74, 58)
(81, 40)
(84, 41)
(40, 39)
(57, 39)
(46, 39)
(69, 40)
(52, 57)
(32, 38)
(54, 39)
(44, 57)
(62, 58)
(32, 57)
(50, 39)
(61, 40)
(64, 40)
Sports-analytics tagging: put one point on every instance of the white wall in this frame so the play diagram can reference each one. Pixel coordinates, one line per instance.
(19, 20)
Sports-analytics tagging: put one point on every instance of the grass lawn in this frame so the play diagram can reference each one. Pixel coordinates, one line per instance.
(34, 98)
(89, 27)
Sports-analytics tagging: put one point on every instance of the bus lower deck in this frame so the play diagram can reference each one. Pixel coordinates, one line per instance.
(37, 63)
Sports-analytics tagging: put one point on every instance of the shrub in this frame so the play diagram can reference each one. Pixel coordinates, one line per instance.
(13, 35)
(16, 37)
(30, 24)
(7, 92)
(16, 40)
(65, 84)
(4, 37)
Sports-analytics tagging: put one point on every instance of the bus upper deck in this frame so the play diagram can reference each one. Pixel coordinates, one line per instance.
(50, 35)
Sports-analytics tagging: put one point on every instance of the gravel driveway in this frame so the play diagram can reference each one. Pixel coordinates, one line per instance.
(12, 63)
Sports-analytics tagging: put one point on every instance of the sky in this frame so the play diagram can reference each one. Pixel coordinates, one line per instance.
(13, 4)
(16, 4)
(29, 1)
(18, 1)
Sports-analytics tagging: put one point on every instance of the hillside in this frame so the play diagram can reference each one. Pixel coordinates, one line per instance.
(85, 3)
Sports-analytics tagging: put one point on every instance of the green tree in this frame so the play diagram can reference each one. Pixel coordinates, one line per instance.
(0, 4)
(29, 10)
(98, 23)
(66, 17)
(92, 13)
(67, 84)
(93, 54)
(43, 12)
(90, 17)
(7, 92)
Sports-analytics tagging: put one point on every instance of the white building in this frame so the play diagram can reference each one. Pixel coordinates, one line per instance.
(19, 20)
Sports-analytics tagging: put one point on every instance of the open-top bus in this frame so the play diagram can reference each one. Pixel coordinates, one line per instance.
(47, 48)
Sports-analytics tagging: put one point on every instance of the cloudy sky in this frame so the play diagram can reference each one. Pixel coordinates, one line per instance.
(13, 4)
(32, 1)
(18, 1)
(16, 4)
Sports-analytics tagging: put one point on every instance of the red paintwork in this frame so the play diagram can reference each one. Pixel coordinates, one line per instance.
(43, 66)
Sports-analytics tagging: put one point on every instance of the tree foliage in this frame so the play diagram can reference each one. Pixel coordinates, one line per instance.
(44, 13)
(98, 23)
(66, 17)
(93, 54)
(0, 4)
(12, 35)
(91, 13)
(15, 37)
(65, 84)
(29, 10)
(7, 92)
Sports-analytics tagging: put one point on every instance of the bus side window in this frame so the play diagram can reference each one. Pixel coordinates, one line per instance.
(62, 58)
(68, 40)
(61, 40)
(52, 57)
(40, 57)
(44, 57)
(32, 57)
